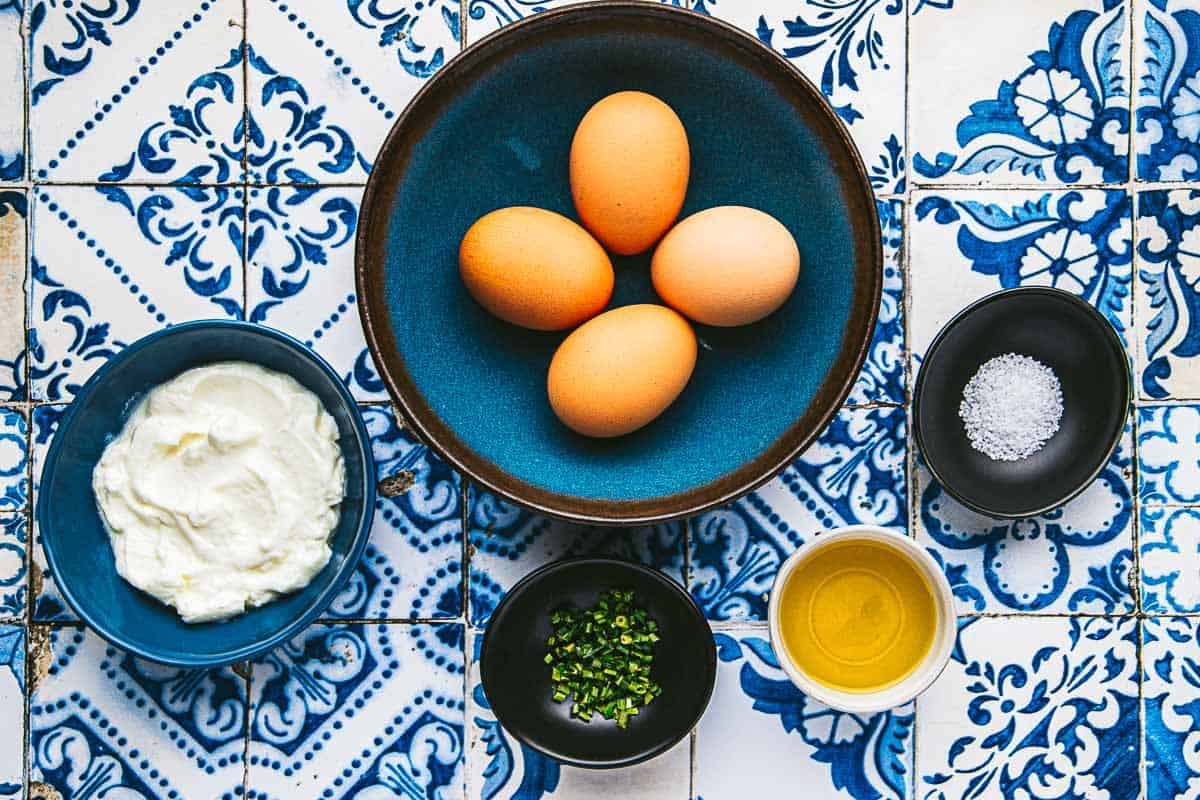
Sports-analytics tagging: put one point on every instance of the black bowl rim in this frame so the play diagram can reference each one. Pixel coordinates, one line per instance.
(826, 403)
(1111, 338)
(112, 633)
(649, 573)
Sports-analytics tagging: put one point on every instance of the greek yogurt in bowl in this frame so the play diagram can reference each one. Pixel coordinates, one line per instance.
(220, 492)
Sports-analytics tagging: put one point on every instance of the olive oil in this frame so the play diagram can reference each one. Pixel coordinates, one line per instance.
(857, 616)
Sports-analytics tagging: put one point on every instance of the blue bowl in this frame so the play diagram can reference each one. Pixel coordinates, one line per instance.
(74, 537)
(493, 128)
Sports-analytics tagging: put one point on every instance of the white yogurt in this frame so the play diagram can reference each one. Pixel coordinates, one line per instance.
(221, 490)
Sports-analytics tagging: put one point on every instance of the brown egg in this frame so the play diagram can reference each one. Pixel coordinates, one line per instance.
(726, 266)
(535, 268)
(629, 170)
(619, 371)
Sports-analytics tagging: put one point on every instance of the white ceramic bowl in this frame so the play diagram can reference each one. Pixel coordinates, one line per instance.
(919, 679)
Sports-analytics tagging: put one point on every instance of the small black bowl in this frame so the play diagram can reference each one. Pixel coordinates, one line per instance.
(517, 680)
(1066, 334)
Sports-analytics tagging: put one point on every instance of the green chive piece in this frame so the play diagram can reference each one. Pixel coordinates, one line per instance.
(600, 658)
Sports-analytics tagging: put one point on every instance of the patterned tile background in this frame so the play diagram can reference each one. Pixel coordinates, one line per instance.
(166, 160)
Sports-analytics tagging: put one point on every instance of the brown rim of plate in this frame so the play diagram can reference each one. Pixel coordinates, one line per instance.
(369, 267)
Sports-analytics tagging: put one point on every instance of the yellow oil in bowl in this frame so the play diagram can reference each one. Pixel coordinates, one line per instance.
(857, 616)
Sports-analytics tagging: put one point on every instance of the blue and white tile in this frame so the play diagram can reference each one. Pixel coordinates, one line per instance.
(502, 768)
(778, 737)
(508, 542)
(1170, 559)
(1167, 294)
(360, 711)
(12, 92)
(13, 545)
(14, 214)
(1033, 707)
(127, 90)
(300, 276)
(105, 724)
(12, 696)
(1166, 45)
(326, 81)
(1169, 455)
(854, 473)
(1077, 558)
(1019, 92)
(111, 264)
(14, 460)
(883, 375)
(853, 51)
(1170, 684)
(412, 565)
(969, 243)
(48, 603)
(488, 16)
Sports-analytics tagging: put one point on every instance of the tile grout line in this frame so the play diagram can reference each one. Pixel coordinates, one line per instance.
(26, 34)
(906, 295)
(247, 679)
(1135, 578)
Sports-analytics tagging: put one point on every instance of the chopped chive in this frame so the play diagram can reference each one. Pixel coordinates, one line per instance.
(600, 658)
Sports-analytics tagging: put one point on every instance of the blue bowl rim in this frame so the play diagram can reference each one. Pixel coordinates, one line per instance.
(410, 403)
(1111, 339)
(112, 634)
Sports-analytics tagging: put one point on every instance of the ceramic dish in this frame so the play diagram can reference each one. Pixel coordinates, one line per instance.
(76, 543)
(1066, 334)
(493, 128)
(517, 680)
(925, 673)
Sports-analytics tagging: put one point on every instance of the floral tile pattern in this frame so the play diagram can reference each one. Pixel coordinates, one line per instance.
(13, 546)
(1170, 682)
(1170, 560)
(509, 542)
(105, 724)
(12, 695)
(46, 600)
(128, 90)
(967, 244)
(1166, 38)
(327, 79)
(300, 276)
(1077, 558)
(12, 93)
(503, 767)
(359, 710)
(1167, 294)
(14, 461)
(855, 473)
(883, 376)
(1046, 99)
(1169, 455)
(785, 738)
(1033, 707)
(111, 264)
(14, 212)
(412, 567)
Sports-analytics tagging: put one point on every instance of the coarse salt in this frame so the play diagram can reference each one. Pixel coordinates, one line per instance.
(1011, 407)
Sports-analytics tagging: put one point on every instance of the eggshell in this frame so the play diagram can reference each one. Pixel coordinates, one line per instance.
(535, 268)
(629, 170)
(725, 266)
(619, 371)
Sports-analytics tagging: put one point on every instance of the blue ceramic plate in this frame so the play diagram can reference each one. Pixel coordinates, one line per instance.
(493, 128)
(76, 542)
